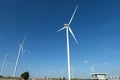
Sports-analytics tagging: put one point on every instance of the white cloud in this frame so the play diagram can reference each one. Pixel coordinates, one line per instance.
(106, 63)
(85, 62)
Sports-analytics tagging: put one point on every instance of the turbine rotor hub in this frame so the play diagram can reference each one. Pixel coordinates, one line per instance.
(20, 45)
(66, 25)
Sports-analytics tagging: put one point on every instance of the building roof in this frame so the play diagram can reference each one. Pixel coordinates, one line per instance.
(98, 73)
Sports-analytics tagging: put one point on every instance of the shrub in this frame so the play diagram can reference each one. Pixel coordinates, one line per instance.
(25, 75)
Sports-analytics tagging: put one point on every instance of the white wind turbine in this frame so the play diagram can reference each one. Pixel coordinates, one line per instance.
(68, 29)
(72, 71)
(17, 60)
(92, 68)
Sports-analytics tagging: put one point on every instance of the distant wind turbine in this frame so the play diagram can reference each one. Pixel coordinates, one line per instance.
(17, 60)
(92, 68)
(68, 29)
(72, 71)
(4, 65)
(62, 73)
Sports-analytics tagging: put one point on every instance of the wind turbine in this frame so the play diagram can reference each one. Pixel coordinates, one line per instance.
(17, 60)
(62, 73)
(72, 71)
(92, 68)
(68, 29)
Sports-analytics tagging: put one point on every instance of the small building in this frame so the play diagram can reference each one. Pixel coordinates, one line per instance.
(99, 76)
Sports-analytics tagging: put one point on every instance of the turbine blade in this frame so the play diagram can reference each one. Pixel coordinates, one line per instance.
(22, 49)
(73, 15)
(73, 35)
(61, 29)
(23, 40)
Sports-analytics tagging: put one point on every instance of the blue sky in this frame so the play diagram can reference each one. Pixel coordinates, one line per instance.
(96, 26)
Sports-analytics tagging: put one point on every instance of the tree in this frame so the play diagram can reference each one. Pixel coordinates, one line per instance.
(1, 76)
(60, 78)
(25, 75)
(63, 78)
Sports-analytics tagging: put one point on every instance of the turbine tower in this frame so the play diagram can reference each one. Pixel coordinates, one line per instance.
(72, 71)
(68, 29)
(92, 68)
(4, 65)
(17, 60)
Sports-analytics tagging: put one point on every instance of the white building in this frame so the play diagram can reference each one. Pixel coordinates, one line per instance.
(99, 76)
